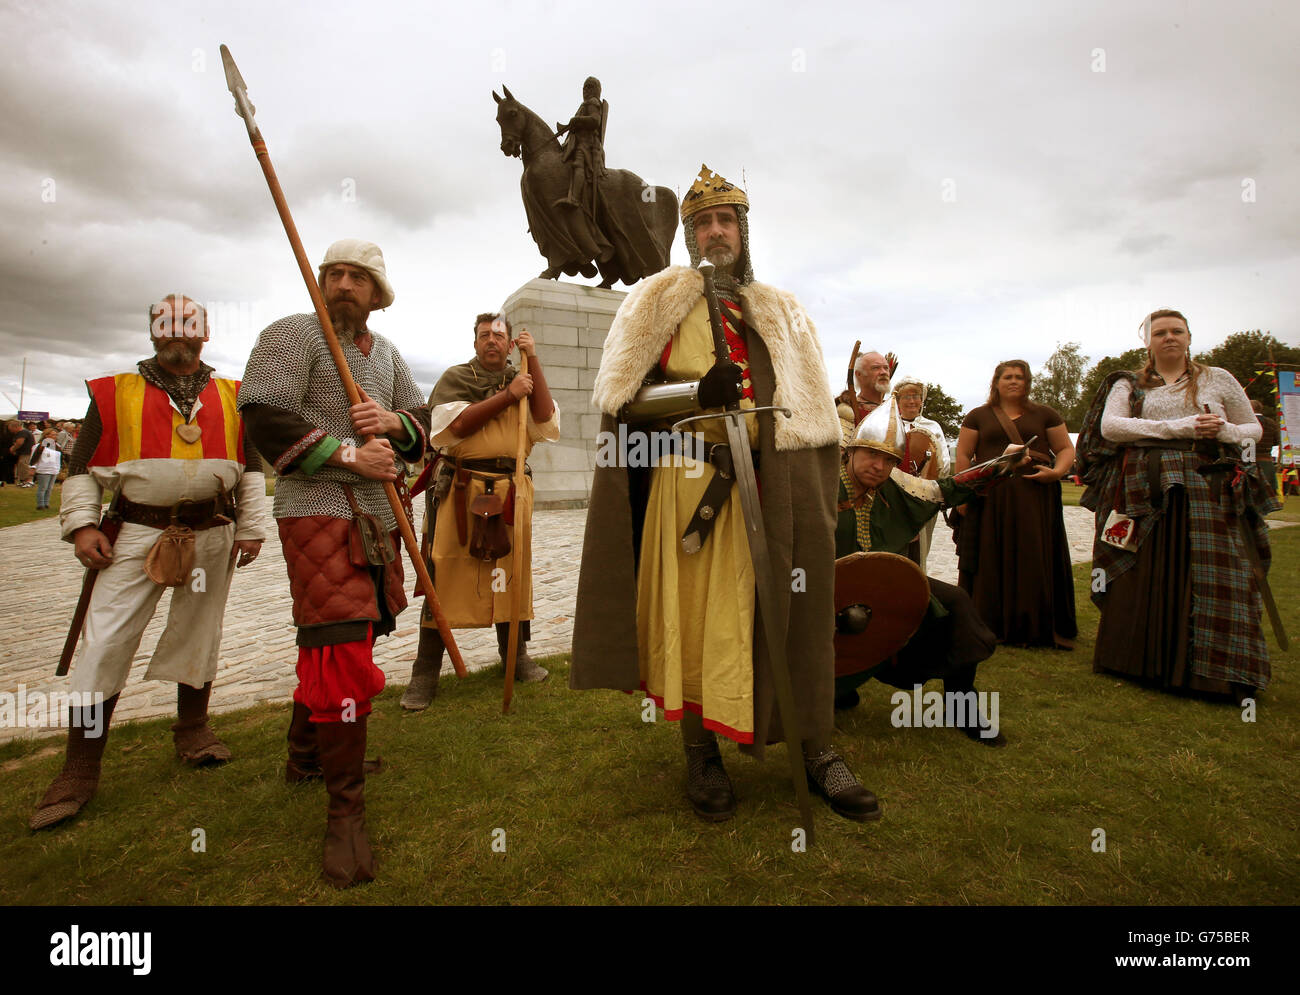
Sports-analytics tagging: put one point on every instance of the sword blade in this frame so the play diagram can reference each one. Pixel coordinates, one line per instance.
(746, 483)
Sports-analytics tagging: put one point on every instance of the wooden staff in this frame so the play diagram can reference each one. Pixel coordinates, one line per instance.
(246, 110)
(517, 568)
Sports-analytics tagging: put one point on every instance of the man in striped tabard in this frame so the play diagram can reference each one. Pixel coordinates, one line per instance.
(168, 441)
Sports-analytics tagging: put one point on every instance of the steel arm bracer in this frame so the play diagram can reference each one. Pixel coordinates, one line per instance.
(662, 401)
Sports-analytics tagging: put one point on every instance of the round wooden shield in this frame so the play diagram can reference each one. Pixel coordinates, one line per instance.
(887, 591)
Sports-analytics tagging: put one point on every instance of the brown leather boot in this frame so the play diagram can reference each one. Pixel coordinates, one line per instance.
(424, 672)
(195, 741)
(347, 859)
(304, 756)
(526, 672)
(76, 783)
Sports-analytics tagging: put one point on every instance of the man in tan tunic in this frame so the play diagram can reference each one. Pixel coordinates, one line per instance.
(475, 425)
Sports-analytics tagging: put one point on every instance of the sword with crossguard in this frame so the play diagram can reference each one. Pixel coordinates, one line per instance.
(742, 467)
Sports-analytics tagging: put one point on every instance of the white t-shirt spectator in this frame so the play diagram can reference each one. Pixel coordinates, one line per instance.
(46, 457)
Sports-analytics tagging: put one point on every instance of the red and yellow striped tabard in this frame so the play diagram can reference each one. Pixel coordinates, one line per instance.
(139, 422)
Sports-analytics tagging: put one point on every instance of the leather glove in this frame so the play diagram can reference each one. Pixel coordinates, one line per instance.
(721, 385)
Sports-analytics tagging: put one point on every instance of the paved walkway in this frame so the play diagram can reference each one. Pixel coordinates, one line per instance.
(42, 580)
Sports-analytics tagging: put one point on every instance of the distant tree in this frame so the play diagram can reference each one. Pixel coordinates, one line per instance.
(1131, 360)
(1242, 353)
(1058, 381)
(943, 409)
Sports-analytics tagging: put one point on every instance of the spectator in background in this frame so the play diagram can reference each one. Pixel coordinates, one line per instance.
(8, 460)
(1013, 555)
(46, 460)
(67, 442)
(21, 450)
(1264, 448)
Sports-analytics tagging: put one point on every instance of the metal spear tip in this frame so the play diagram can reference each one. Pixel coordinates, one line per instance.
(233, 79)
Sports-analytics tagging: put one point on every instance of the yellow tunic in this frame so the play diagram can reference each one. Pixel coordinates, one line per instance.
(695, 612)
(474, 593)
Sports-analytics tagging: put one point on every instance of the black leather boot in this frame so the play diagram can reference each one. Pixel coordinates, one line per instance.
(832, 779)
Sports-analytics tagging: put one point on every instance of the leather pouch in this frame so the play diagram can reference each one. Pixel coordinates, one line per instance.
(489, 538)
(368, 543)
(171, 559)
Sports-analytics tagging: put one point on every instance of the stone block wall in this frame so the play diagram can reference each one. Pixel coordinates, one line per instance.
(569, 322)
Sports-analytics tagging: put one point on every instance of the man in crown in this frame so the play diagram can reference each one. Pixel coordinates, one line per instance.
(666, 594)
(167, 442)
(880, 509)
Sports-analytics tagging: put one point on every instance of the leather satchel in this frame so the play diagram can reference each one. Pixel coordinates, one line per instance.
(369, 545)
(489, 538)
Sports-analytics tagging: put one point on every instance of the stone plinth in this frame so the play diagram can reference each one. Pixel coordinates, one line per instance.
(569, 322)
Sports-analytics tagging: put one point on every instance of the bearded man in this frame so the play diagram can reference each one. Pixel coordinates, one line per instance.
(346, 585)
(474, 421)
(188, 489)
(871, 374)
(666, 594)
(880, 509)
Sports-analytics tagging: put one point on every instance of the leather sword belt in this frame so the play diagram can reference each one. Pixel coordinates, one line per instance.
(694, 447)
(195, 515)
(716, 491)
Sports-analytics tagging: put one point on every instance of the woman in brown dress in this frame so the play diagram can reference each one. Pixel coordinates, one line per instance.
(1012, 554)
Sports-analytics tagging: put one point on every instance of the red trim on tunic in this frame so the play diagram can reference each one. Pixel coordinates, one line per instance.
(675, 714)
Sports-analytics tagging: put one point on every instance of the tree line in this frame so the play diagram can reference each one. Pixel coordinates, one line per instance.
(1066, 383)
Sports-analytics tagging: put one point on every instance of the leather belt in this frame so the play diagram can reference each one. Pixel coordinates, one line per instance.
(197, 515)
(498, 465)
(716, 491)
(485, 469)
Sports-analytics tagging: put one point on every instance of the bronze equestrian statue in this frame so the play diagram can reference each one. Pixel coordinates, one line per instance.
(586, 218)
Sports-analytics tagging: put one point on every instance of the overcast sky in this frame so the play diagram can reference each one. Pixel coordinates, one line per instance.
(959, 182)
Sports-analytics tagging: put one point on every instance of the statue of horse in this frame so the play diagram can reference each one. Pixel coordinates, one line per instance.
(631, 232)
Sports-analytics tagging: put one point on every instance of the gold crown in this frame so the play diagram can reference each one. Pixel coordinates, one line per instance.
(709, 190)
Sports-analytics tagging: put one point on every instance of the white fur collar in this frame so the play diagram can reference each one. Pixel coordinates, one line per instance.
(655, 307)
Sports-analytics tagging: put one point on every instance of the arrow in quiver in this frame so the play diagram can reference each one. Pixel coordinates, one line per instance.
(880, 600)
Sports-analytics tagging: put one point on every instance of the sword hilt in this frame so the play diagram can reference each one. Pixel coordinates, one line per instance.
(738, 413)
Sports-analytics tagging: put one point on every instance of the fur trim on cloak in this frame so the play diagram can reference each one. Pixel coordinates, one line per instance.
(649, 317)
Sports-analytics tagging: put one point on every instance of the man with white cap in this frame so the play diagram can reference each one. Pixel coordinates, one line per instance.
(347, 588)
(926, 452)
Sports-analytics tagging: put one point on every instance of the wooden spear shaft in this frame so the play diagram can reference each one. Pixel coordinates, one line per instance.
(517, 571)
(245, 110)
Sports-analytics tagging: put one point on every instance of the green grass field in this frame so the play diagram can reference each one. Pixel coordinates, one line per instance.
(1197, 806)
